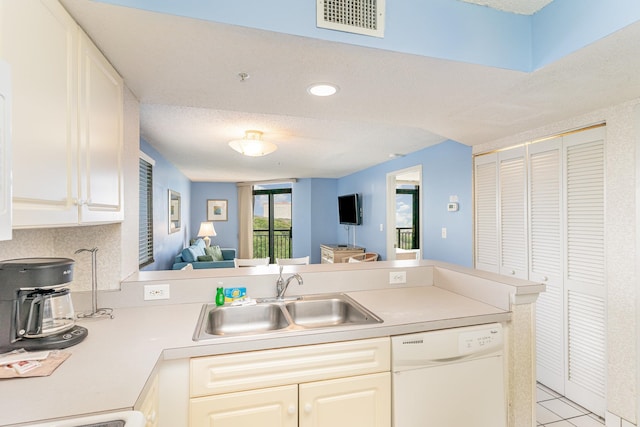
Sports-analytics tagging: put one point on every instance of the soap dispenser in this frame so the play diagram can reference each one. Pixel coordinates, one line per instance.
(219, 296)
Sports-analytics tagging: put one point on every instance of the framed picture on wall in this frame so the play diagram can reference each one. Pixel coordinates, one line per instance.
(175, 219)
(217, 210)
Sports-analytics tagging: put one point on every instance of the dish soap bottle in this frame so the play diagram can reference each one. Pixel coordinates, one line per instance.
(219, 296)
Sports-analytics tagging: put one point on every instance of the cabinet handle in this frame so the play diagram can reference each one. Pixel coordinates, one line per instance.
(292, 409)
(308, 408)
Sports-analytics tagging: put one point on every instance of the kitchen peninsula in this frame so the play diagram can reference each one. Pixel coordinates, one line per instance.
(141, 358)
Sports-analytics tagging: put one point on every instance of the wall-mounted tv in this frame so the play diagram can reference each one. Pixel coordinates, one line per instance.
(349, 210)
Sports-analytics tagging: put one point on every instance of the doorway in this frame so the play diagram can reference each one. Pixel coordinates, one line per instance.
(404, 216)
(272, 228)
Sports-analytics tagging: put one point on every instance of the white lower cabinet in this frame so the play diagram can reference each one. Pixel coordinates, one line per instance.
(364, 401)
(346, 402)
(325, 385)
(266, 407)
(149, 404)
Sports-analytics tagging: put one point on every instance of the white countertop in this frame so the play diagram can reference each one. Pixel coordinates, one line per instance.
(109, 369)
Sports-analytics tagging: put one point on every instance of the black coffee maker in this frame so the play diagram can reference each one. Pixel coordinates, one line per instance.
(36, 311)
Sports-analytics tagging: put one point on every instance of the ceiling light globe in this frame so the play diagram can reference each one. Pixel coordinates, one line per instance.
(252, 145)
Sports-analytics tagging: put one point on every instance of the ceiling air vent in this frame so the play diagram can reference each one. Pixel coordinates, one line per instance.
(353, 16)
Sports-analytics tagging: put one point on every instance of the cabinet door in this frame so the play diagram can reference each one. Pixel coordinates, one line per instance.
(101, 136)
(149, 405)
(5, 151)
(39, 41)
(363, 401)
(268, 407)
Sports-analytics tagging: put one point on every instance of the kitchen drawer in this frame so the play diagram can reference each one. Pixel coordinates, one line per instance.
(269, 368)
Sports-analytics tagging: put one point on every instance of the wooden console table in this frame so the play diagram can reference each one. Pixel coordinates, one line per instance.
(334, 254)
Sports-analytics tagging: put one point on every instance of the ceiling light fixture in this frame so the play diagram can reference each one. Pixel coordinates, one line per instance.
(252, 144)
(322, 89)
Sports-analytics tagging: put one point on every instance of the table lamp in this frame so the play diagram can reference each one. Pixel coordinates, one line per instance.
(206, 230)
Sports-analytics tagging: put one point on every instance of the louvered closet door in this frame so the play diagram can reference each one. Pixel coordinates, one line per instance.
(512, 202)
(486, 212)
(585, 282)
(546, 258)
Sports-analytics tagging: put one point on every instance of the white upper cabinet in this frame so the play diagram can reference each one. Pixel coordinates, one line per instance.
(101, 115)
(67, 119)
(5, 151)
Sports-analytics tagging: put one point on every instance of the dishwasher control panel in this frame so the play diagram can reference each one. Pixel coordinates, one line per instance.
(479, 340)
(446, 345)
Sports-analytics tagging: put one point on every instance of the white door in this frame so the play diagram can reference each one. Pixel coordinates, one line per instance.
(512, 194)
(584, 276)
(486, 212)
(546, 237)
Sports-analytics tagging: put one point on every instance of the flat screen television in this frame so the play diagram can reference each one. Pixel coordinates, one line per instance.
(349, 211)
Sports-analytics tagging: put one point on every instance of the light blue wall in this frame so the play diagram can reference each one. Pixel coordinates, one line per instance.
(446, 171)
(166, 176)
(227, 231)
(315, 214)
(565, 26)
(446, 29)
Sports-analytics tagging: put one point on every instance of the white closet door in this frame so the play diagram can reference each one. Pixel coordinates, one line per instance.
(513, 212)
(546, 258)
(486, 212)
(585, 289)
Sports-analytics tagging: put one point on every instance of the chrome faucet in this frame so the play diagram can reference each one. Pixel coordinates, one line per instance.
(282, 285)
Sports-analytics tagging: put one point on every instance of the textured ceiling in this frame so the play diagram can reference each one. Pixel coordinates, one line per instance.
(522, 7)
(185, 74)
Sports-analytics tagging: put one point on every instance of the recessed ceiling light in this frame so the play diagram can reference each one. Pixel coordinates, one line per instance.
(322, 89)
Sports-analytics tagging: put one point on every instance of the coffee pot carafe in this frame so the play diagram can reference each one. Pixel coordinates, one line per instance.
(36, 311)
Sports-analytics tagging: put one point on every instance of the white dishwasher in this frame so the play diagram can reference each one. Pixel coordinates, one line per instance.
(449, 378)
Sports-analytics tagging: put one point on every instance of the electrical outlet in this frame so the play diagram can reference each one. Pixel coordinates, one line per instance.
(397, 277)
(444, 232)
(152, 292)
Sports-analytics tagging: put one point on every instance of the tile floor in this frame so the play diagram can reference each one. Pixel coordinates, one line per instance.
(554, 410)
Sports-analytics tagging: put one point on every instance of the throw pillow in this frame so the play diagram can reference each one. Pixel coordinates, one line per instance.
(188, 255)
(215, 252)
(205, 258)
(198, 247)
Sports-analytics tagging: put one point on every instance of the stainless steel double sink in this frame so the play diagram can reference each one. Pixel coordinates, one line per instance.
(271, 315)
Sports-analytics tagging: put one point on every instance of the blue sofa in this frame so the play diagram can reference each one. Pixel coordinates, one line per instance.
(197, 249)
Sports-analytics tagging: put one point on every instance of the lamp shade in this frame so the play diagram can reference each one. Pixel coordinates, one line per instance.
(206, 230)
(253, 145)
